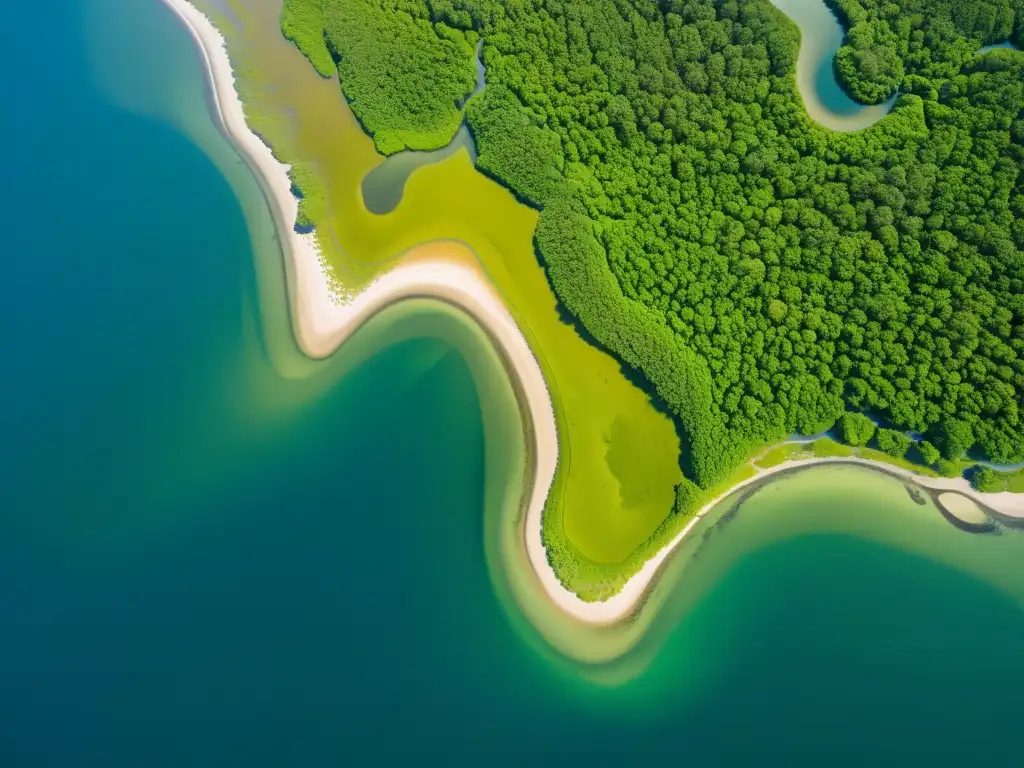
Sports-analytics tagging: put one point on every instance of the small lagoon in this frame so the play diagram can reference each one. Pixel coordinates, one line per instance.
(383, 186)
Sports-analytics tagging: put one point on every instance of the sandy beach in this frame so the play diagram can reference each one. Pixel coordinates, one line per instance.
(323, 320)
(622, 605)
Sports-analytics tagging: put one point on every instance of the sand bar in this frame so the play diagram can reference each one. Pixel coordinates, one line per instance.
(323, 320)
(962, 508)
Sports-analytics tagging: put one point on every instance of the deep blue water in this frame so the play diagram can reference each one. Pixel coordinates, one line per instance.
(205, 564)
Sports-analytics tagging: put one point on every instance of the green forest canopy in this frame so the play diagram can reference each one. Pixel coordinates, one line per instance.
(302, 22)
(404, 76)
(886, 41)
(764, 273)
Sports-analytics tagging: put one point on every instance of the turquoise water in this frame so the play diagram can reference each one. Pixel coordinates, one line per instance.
(213, 553)
(996, 46)
(821, 35)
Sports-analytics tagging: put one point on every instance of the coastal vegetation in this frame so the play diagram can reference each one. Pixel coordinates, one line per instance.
(993, 481)
(929, 453)
(404, 76)
(893, 442)
(856, 429)
(302, 22)
(920, 43)
(763, 275)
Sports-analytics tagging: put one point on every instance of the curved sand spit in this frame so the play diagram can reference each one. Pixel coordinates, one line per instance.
(323, 321)
(962, 508)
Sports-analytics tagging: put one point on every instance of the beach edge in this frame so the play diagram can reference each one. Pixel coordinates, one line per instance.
(323, 320)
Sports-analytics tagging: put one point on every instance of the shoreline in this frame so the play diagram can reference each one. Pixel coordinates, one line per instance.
(1005, 505)
(810, 58)
(322, 320)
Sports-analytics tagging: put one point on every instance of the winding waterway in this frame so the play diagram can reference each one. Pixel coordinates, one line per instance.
(218, 553)
(826, 102)
(996, 46)
(821, 35)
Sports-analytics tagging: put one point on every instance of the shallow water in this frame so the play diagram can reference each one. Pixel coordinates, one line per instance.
(383, 186)
(821, 35)
(216, 553)
(995, 46)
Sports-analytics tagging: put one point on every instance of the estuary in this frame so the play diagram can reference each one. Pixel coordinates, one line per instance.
(219, 552)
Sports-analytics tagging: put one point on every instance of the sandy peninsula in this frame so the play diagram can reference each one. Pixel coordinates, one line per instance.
(626, 602)
(963, 510)
(323, 319)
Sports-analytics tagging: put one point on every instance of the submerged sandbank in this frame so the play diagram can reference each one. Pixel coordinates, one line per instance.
(622, 605)
(323, 317)
(964, 510)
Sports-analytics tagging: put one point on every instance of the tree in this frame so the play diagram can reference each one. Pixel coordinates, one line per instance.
(856, 429)
(954, 436)
(986, 479)
(929, 453)
(893, 442)
(302, 22)
(406, 92)
(869, 65)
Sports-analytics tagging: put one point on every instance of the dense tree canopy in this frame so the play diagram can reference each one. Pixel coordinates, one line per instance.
(302, 22)
(405, 77)
(856, 429)
(764, 273)
(869, 64)
(893, 442)
(929, 453)
(932, 39)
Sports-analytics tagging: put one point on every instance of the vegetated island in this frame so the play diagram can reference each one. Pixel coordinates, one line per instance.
(528, 153)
